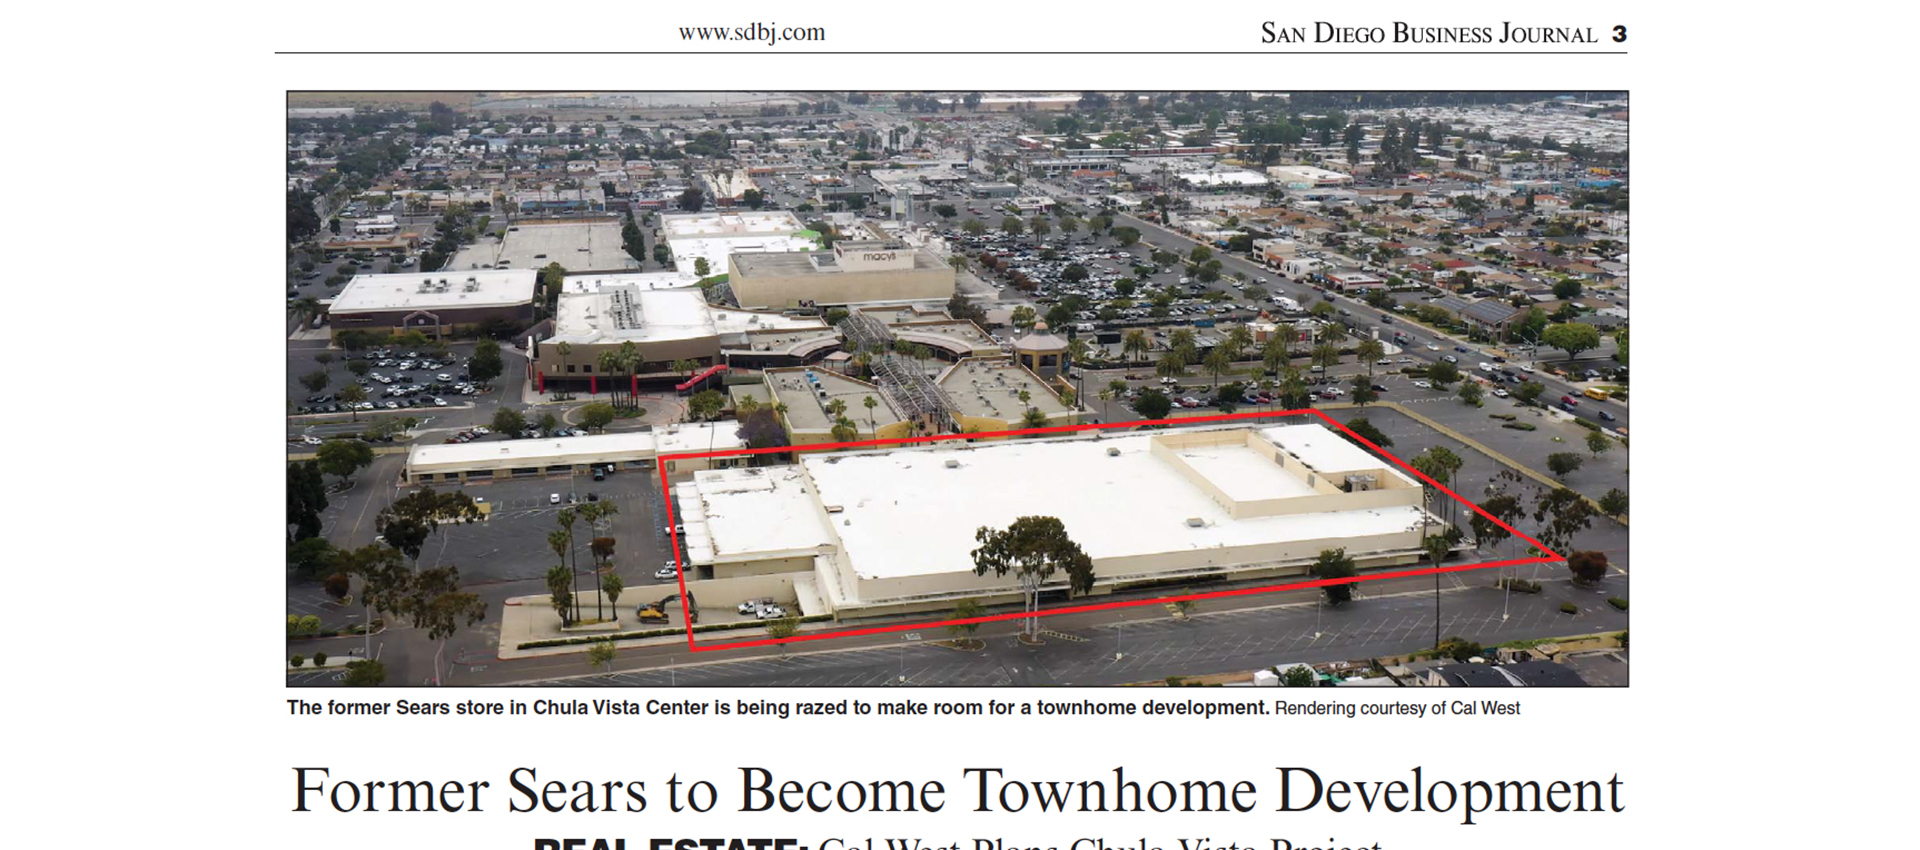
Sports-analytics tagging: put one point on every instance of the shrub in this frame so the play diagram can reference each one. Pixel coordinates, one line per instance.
(1518, 584)
(299, 660)
(1504, 417)
(1587, 424)
(319, 659)
(1519, 426)
(1567, 608)
(1617, 602)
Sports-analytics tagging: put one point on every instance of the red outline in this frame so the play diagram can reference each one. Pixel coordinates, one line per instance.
(694, 646)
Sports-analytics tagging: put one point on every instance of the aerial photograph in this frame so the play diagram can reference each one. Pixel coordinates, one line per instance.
(957, 388)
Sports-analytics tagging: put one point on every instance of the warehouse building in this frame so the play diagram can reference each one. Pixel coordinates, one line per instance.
(853, 272)
(863, 533)
(438, 304)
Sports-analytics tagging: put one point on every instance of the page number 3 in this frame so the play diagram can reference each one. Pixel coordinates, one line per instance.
(1619, 33)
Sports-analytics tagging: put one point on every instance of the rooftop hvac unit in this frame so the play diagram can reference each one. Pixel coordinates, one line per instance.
(1359, 483)
(1113, 451)
(1196, 522)
(953, 464)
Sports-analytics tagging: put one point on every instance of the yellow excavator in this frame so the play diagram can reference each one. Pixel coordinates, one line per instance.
(656, 612)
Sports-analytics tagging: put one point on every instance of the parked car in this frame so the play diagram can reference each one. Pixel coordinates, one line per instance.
(667, 572)
(553, 498)
(1499, 392)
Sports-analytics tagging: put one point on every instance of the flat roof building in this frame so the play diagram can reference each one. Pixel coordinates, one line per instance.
(886, 531)
(853, 272)
(435, 303)
(663, 315)
(579, 247)
(488, 460)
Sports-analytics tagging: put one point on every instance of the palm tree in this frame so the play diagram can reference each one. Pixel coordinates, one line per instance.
(1034, 418)
(563, 349)
(608, 363)
(559, 541)
(304, 308)
(351, 395)
(844, 430)
(566, 519)
(746, 407)
(1136, 345)
(871, 404)
(1219, 362)
(1370, 350)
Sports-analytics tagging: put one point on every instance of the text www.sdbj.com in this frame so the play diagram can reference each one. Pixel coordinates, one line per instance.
(768, 34)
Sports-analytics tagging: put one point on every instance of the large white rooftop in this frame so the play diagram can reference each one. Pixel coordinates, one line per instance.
(1326, 451)
(764, 511)
(435, 290)
(906, 513)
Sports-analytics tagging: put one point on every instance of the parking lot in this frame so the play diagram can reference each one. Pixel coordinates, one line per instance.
(511, 544)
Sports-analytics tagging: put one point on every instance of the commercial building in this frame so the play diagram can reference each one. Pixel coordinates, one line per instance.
(853, 272)
(434, 303)
(580, 247)
(715, 237)
(666, 318)
(1307, 176)
(885, 531)
(560, 457)
(997, 394)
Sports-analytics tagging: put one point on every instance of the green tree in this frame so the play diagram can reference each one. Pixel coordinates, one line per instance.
(1334, 564)
(1033, 548)
(1563, 463)
(1135, 345)
(611, 587)
(596, 416)
(1529, 391)
(1024, 317)
(965, 609)
(315, 381)
(313, 556)
(560, 592)
(1368, 351)
(306, 498)
(486, 364)
(343, 457)
(662, 254)
(600, 654)
(365, 673)
(1368, 431)
(1152, 404)
(1573, 338)
(352, 395)
(1012, 225)
(1125, 237)
(359, 368)
(701, 268)
(1039, 225)
(509, 421)
(1614, 503)
(1443, 373)
(410, 520)
(1598, 443)
(1219, 362)
(1470, 393)
(706, 404)
(1298, 676)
